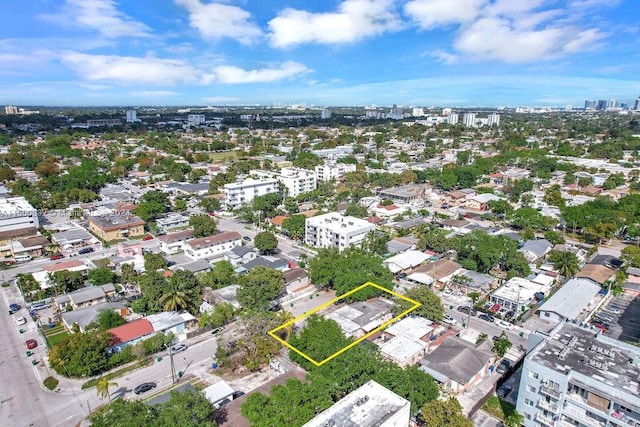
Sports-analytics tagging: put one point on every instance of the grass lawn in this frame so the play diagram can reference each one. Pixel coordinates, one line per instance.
(118, 373)
(222, 156)
(102, 262)
(57, 338)
(499, 408)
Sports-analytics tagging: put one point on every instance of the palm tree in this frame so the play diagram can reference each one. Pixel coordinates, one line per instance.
(102, 388)
(566, 263)
(475, 296)
(501, 345)
(176, 299)
(284, 317)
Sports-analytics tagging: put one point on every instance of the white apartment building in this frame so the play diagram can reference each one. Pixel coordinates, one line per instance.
(453, 118)
(172, 220)
(575, 376)
(325, 114)
(132, 116)
(174, 243)
(240, 193)
(17, 218)
(332, 170)
(195, 119)
(334, 230)
(469, 119)
(368, 406)
(517, 294)
(295, 180)
(212, 246)
(493, 119)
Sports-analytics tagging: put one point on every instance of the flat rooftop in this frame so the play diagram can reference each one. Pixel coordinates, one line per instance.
(581, 350)
(368, 406)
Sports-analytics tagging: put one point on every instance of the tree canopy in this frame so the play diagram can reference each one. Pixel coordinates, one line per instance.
(431, 307)
(203, 225)
(259, 287)
(266, 242)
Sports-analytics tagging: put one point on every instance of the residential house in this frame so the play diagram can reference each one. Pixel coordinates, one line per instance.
(172, 220)
(264, 261)
(212, 246)
(534, 250)
(406, 260)
(17, 219)
(517, 294)
(240, 255)
(116, 227)
(33, 246)
(405, 342)
(359, 318)
(387, 212)
(174, 243)
(596, 273)
(410, 223)
(84, 297)
(277, 221)
(71, 240)
(296, 281)
(87, 315)
(406, 194)
(480, 202)
(129, 248)
(632, 285)
(173, 322)
(457, 364)
(130, 333)
(471, 281)
(435, 274)
(401, 244)
(199, 266)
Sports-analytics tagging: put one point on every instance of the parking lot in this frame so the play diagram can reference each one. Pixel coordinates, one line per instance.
(626, 324)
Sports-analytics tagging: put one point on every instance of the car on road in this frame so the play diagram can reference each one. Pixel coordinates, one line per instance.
(246, 238)
(503, 366)
(611, 310)
(56, 256)
(448, 319)
(237, 394)
(39, 306)
(14, 307)
(20, 320)
(144, 387)
(503, 391)
(487, 317)
(85, 251)
(217, 330)
(145, 238)
(178, 348)
(508, 326)
(31, 344)
(466, 310)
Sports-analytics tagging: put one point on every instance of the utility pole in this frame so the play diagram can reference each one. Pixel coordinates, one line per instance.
(173, 368)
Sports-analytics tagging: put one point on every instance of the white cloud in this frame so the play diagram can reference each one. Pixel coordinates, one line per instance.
(129, 69)
(215, 21)
(99, 15)
(353, 21)
(232, 75)
(164, 72)
(153, 93)
(434, 13)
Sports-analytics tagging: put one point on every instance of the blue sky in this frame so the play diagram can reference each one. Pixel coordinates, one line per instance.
(340, 52)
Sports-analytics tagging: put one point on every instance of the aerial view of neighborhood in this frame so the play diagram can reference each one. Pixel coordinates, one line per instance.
(364, 213)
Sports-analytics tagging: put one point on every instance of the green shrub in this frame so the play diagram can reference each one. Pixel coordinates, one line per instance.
(51, 383)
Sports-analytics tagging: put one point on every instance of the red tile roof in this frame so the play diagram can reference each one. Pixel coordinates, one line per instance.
(132, 330)
(64, 265)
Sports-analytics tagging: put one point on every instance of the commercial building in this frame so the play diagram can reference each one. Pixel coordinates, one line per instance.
(17, 218)
(104, 122)
(116, 227)
(295, 180)
(371, 405)
(212, 246)
(575, 376)
(240, 193)
(334, 230)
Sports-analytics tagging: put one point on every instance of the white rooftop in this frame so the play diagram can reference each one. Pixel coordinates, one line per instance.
(368, 406)
(413, 327)
(406, 260)
(519, 289)
(218, 391)
(401, 348)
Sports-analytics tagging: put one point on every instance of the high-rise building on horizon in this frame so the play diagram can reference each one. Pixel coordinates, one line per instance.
(132, 116)
(589, 104)
(325, 114)
(612, 103)
(602, 105)
(493, 119)
(11, 109)
(636, 106)
(469, 119)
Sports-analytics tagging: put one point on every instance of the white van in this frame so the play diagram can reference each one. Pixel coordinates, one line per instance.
(22, 258)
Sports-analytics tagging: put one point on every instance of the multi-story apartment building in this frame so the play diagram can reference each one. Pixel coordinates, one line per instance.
(335, 230)
(576, 377)
(240, 193)
(114, 227)
(296, 181)
(332, 170)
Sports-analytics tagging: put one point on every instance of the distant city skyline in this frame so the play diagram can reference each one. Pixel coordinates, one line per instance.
(483, 53)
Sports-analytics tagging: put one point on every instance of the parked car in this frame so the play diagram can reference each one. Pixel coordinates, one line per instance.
(144, 387)
(605, 317)
(467, 310)
(503, 391)
(39, 306)
(14, 307)
(31, 344)
(178, 348)
(56, 256)
(85, 251)
(145, 238)
(503, 366)
(20, 320)
(600, 324)
(448, 319)
(217, 330)
(510, 314)
(611, 310)
(237, 394)
(402, 275)
(246, 238)
(487, 317)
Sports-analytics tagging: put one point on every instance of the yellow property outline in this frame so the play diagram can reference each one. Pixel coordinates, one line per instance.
(272, 332)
